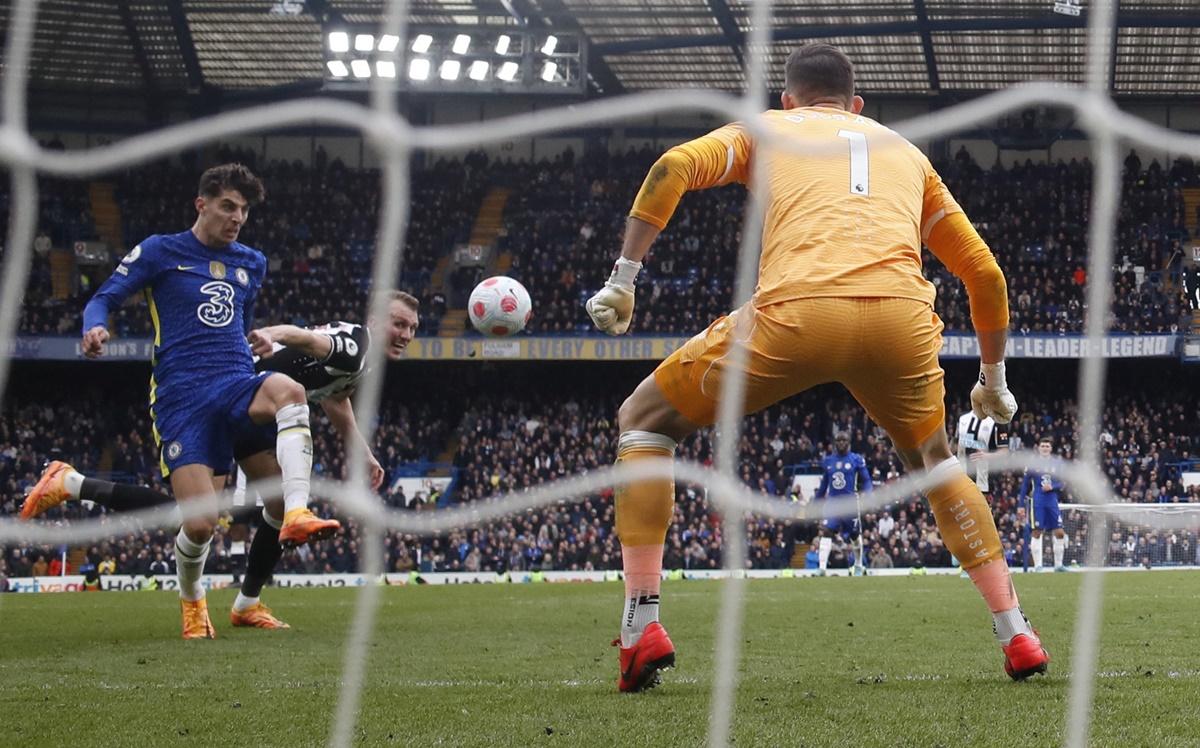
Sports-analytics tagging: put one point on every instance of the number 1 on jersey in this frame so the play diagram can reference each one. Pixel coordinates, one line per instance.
(860, 178)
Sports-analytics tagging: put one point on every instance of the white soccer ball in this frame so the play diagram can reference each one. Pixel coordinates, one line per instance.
(499, 307)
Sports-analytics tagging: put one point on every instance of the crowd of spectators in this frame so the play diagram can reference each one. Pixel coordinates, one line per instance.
(562, 225)
(545, 427)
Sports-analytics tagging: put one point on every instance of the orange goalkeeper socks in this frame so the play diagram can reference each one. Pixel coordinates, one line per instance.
(965, 522)
(644, 507)
(643, 513)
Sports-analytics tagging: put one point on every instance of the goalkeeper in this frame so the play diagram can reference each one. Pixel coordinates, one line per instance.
(840, 298)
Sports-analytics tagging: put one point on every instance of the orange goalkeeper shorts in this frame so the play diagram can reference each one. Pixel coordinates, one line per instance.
(884, 350)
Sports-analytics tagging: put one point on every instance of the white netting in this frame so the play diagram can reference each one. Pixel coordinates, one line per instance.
(395, 139)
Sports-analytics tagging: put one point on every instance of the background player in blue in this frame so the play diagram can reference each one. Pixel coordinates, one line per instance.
(845, 473)
(1045, 514)
(200, 287)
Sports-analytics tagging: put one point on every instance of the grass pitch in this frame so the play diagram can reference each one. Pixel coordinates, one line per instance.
(868, 662)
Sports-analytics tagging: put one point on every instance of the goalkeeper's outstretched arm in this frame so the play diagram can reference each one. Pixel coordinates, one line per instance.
(721, 157)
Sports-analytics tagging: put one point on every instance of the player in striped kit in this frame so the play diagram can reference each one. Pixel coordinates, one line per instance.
(978, 438)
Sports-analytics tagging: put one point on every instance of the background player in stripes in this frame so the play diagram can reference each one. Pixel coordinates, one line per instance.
(978, 438)
(328, 361)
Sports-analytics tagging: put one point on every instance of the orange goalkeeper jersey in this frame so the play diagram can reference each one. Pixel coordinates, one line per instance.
(845, 217)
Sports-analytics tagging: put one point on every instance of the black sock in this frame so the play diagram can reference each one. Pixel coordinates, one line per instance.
(122, 497)
(264, 554)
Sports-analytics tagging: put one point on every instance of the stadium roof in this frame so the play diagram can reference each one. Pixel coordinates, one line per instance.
(909, 47)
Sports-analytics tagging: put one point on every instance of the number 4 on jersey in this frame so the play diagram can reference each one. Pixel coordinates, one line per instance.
(860, 177)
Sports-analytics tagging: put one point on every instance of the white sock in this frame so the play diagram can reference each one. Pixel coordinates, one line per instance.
(239, 488)
(293, 450)
(73, 482)
(189, 565)
(242, 602)
(641, 610)
(823, 549)
(1008, 624)
(1035, 546)
(1059, 546)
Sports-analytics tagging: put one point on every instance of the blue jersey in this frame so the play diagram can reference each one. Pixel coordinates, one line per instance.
(839, 475)
(1046, 487)
(201, 301)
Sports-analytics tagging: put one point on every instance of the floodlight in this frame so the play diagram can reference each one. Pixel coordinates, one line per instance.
(548, 71)
(479, 70)
(418, 69)
(361, 68)
(364, 42)
(551, 43)
(339, 41)
(462, 43)
(388, 43)
(508, 71)
(502, 44)
(385, 68)
(450, 69)
(338, 69)
(421, 44)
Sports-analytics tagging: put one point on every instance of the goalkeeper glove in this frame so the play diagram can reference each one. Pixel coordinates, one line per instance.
(611, 309)
(991, 398)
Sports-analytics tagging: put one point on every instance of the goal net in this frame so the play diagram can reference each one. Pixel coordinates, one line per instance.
(1150, 536)
(395, 140)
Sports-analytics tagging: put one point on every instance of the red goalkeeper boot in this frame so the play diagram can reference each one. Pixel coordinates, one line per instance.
(1025, 656)
(641, 663)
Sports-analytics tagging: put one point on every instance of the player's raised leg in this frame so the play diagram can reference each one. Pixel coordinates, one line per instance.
(60, 482)
(283, 399)
(265, 551)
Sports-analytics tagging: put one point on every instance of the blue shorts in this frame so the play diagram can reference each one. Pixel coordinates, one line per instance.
(196, 425)
(1046, 515)
(252, 438)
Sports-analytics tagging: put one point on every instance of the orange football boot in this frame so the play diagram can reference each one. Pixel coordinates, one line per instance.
(301, 526)
(196, 624)
(50, 491)
(257, 616)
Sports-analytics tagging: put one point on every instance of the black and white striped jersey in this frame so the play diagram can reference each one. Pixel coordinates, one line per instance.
(337, 373)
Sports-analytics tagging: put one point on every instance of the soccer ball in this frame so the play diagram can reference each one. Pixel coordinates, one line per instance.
(499, 307)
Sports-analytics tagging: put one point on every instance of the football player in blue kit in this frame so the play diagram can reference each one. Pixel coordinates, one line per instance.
(844, 473)
(1045, 488)
(200, 286)
(328, 361)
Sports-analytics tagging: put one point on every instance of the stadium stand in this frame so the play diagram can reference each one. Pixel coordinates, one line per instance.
(556, 233)
(543, 428)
